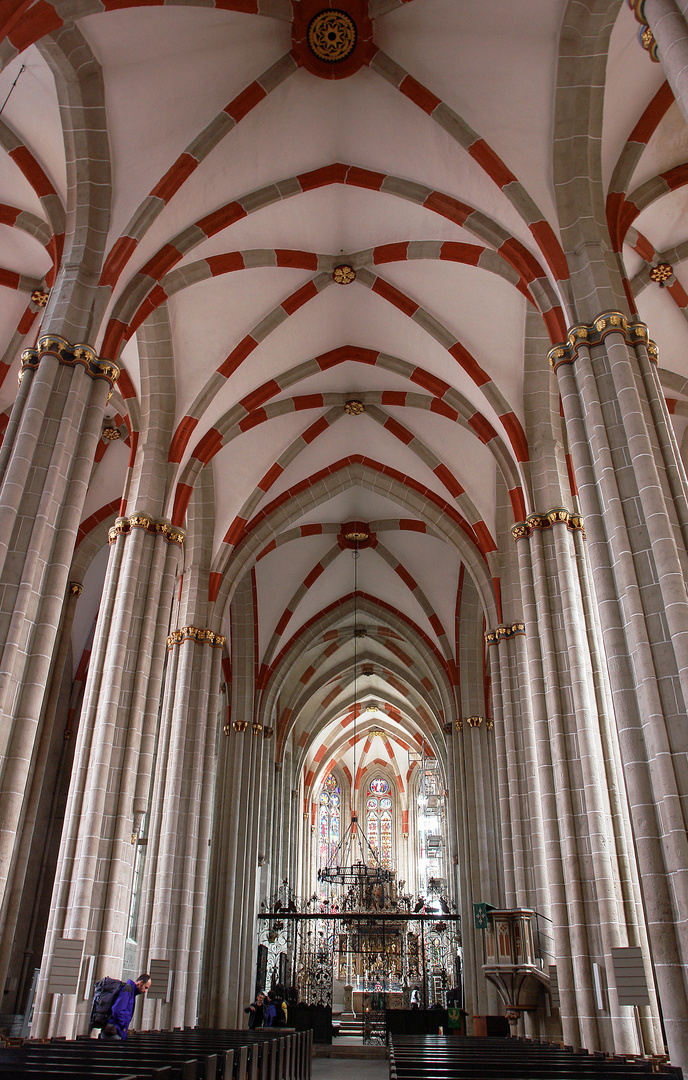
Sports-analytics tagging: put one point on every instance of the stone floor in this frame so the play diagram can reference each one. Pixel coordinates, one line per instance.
(348, 1069)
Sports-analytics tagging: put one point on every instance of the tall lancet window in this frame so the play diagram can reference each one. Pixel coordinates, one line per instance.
(379, 819)
(330, 820)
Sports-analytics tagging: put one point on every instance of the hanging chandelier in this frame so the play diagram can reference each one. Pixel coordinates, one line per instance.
(355, 861)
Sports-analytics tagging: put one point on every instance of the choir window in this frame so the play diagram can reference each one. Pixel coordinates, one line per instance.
(379, 819)
(330, 820)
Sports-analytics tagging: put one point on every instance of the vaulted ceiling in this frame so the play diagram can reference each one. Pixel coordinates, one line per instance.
(253, 152)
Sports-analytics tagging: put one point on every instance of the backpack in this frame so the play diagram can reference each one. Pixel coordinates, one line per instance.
(104, 993)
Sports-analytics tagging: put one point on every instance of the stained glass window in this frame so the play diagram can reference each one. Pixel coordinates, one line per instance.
(379, 820)
(379, 786)
(329, 821)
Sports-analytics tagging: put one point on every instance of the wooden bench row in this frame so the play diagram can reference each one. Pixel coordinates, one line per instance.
(432, 1057)
(190, 1055)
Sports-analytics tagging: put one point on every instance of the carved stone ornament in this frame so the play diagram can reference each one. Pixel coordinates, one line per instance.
(40, 297)
(609, 322)
(240, 725)
(354, 408)
(504, 633)
(70, 355)
(645, 35)
(661, 273)
(538, 522)
(332, 35)
(474, 721)
(111, 433)
(256, 727)
(123, 526)
(195, 633)
(268, 732)
(75, 588)
(344, 274)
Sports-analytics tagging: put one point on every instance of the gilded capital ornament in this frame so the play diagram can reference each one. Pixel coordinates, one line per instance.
(201, 636)
(504, 633)
(53, 345)
(40, 297)
(474, 721)
(645, 35)
(608, 322)
(240, 725)
(256, 727)
(123, 527)
(75, 588)
(268, 732)
(538, 522)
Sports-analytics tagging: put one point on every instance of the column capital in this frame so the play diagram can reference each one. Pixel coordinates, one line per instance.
(503, 633)
(195, 633)
(537, 522)
(54, 345)
(123, 526)
(608, 322)
(645, 35)
(76, 588)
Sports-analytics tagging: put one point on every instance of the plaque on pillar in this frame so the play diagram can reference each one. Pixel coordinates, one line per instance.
(629, 976)
(554, 986)
(161, 978)
(65, 967)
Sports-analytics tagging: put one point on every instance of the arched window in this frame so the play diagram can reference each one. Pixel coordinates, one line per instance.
(330, 818)
(379, 820)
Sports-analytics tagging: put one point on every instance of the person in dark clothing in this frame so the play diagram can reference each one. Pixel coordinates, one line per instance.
(271, 1009)
(256, 1012)
(122, 1008)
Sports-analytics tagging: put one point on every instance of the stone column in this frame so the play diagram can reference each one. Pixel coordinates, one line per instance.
(666, 38)
(523, 842)
(452, 838)
(229, 962)
(26, 908)
(594, 907)
(615, 415)
(269, 796)
(173, 913)
(45, 465)
(113, 760)
(277, 826)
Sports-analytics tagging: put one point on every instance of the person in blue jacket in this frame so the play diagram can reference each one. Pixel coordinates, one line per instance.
(271, 1009)
(122, 1009)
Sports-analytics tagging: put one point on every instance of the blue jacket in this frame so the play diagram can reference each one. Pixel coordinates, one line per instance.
(123, 1008)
